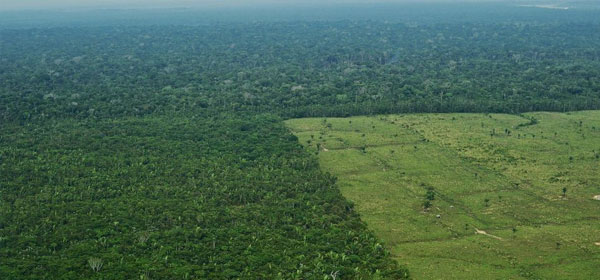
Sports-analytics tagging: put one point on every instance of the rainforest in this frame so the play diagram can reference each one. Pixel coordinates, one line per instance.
(306, 141)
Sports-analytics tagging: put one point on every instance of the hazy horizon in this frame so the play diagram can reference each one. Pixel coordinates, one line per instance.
(7, 5)
(53, 13)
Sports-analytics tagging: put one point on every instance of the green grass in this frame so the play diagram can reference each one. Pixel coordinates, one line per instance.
(491, 172)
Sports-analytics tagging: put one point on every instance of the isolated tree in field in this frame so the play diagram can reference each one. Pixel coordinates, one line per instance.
(429, 197)
(487, 202)
(564, 191)
(426, 205)
(430, 194)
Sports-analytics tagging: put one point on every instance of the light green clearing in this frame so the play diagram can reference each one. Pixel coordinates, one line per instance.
(466, 159)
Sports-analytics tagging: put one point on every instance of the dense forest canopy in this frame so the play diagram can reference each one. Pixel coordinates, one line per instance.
(175, 198)
(149, 144)
(300, 68)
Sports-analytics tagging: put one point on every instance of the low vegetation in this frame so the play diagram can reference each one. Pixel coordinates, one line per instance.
(471, 195)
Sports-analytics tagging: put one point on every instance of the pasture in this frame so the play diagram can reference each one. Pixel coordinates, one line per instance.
(471, 196)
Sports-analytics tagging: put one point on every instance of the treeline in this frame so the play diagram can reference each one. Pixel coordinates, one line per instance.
(455, 106)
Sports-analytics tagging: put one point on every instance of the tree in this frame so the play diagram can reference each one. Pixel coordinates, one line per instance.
(426, 205)
(430, 194)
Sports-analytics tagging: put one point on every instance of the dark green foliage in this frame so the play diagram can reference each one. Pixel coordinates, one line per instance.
(196, 198)
(427, 204)
(430, 194)
(429, 198)
(299, 69)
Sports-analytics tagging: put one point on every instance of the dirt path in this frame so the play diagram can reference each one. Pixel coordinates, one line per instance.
(477, 231)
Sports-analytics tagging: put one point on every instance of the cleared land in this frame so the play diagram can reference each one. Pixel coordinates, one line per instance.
(510, 197)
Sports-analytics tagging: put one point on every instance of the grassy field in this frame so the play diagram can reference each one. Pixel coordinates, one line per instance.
(472, 196)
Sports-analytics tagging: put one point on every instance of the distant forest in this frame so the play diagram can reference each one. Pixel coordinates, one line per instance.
(299, 69)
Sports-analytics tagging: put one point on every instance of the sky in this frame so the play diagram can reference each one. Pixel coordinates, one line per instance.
(65, 4)
(44, 4)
